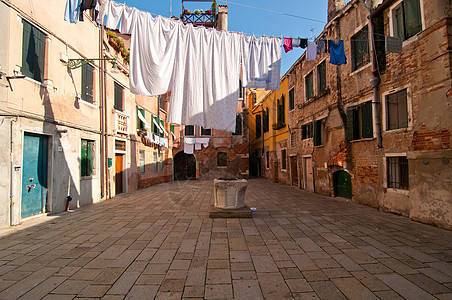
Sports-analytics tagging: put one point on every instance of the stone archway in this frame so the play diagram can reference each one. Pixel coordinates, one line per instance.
(342, 183)
(184, 166)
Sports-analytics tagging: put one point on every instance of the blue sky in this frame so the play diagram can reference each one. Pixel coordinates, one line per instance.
(255, 21)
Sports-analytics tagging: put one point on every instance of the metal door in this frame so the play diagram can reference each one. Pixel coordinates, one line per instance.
(342, 182)
(34, 175)
(308, 176)
(294, 170)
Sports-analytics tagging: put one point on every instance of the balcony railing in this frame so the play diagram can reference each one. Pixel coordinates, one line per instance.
(121, 123)
(204, 19)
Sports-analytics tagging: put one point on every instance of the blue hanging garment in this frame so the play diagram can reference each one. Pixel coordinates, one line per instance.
(337, 53)
(71, 14)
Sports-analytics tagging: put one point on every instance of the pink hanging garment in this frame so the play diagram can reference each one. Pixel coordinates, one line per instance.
(288, 44)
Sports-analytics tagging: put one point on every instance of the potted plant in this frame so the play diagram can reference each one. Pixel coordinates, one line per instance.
(187, 12)
(198, 11)
(209, 12)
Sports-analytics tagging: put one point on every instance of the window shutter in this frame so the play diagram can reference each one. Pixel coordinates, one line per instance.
(87, 83)
(367, 122)
(162, 122)
(90, 158)
(283, 110)
(413, 22)
(402, 109)
(291, 99)
(258, 125)
(303, 132)
(392, 115)
(238, 125)
(318, 133)
(33, 52)
(349, 130)
(83, 158)
(155, 162)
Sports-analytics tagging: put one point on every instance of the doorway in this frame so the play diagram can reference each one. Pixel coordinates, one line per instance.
(342, 182)
(119, 162)
(308, 176)
(34, 175)
(184, 166)
(294, 170)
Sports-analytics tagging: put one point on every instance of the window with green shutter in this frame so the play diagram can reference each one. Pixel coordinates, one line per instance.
(291, 99)
(119, 103)
(142, 161)
(33, 52)
(156, 166)
(87, 83)
(360, 48)
(407, 19)
(162, 123)
(140, 123)
(87, 158)
(396, 110)
(155, 128)
(318, 131)
(309, 86)
(360, 122)
(258, 126)
(321, 77)
(172, 131)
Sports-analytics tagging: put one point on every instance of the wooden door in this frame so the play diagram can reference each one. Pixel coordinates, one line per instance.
(308, 176)
(342, 182)
(294, 170)
(119, 173)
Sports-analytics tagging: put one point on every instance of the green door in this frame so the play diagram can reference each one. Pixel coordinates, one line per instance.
(34, 175)
(342, 184)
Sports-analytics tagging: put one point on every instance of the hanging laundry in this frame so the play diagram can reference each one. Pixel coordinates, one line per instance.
(203, 141)
(296, 42)
(261, 66)
(190, 140)
(115, 11)
(197, 146)
(311, 52)
(188, 148)
(288, 44)
(168, 55)
(72, 11)
(102, 8)
(337, 53)
(322, 46)
(303, 43)
(86, 5)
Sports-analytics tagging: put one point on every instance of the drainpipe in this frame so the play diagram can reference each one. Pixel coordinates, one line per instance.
(11, 189)
(375, 80)
(101, 112)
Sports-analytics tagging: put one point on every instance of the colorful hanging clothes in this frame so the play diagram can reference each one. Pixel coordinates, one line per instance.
(296, 42)
(86, 5)
(322, 46)
(311, 52)
(288, 44)
(337, 53)
(200, 66)
(102, 9)
(303, 43)
(72, 11)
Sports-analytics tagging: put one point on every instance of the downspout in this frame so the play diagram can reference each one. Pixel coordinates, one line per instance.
(101, 112)
(11, 189)
(375, 80)
(104, 90)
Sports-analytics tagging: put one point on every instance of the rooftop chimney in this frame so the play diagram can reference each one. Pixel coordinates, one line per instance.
(222, 18)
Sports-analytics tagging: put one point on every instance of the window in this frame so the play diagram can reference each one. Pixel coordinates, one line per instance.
(33, 52)
(254, 99)
(87, 158)
(318, 129)
(87, 83)
(360, 48)
(406, 19)
(118, 97)
(267, 156)
(162, 125)
(306, 131)
(283, 159)
(162, 103)
(140, 123)
(238, 125)
(161, 162)
(380, 43)
(142, 161)
(309, 86)
(156, 167)
(205, 131)
(189, 130)
(291, 99)
(265, 120)
(172, 132)
(155, 125)
(360, 122)
(321, 77)
(396, 110)
(293, 139)
(281, 118)
(258, 125)
(222, 159)
(397, 172)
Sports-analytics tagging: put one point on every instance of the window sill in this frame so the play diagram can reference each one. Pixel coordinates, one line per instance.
(88, 103)
(37, 82)
(83, 178)
(362, 68)
(222, 167)
(397, 191)
(398, 130)
(313, 98)
(362, 140)
(319, 146)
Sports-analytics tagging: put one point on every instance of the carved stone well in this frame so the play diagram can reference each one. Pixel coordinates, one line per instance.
(229, 199)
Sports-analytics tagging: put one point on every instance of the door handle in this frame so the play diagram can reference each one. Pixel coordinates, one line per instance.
(31, 179)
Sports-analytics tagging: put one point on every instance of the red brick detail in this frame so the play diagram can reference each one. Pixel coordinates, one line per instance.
(366, 174)
(430, 140)
(339, 158)
(147, 182)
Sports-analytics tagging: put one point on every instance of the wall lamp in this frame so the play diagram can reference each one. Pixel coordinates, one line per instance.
(74, 63)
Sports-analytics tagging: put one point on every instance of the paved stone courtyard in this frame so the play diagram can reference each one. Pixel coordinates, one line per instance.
(159, 242)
